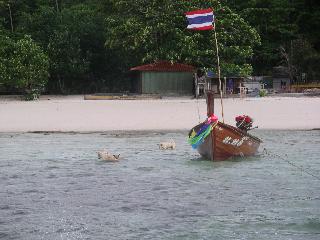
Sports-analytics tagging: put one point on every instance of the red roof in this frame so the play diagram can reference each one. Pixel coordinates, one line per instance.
(164, 66)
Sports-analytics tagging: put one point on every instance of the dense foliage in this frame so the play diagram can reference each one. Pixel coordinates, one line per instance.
(23, 65)
(83, 46)
(157, 31)
(290, 35)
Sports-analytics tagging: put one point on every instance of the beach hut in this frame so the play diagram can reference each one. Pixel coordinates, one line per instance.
(163, 77)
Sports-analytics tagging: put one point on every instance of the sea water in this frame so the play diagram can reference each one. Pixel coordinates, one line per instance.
(53, 186)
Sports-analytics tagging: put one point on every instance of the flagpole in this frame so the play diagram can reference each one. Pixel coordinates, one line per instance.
(218, 64)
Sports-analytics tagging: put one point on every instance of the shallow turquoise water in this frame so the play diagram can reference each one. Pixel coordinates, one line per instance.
(53, 186)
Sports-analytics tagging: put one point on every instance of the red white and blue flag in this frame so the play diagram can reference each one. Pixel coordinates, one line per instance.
(200, 19)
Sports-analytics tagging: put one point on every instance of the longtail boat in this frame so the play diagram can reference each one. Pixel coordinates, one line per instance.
(224, 141)
(216, 140)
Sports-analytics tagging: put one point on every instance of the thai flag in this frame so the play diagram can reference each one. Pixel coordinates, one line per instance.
(200, 19)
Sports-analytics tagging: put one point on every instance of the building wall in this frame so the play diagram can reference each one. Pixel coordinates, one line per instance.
(277, 83)
(167, 82)
(252, 85)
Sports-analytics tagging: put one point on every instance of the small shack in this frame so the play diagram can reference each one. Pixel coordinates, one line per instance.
(163, 77)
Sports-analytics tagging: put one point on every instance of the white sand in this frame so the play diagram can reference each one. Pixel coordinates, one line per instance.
(72, 113)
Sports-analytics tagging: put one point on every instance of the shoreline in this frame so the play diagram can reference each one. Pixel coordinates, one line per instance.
(73, 114)
(120, 133)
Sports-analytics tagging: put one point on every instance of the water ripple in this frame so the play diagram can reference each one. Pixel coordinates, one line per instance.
(52, 186)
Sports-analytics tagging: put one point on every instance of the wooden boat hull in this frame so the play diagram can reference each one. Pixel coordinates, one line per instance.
(226, 141)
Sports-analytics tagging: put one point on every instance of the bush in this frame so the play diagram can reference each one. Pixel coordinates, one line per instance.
(24, 66)
(262, 92)
(31, 68)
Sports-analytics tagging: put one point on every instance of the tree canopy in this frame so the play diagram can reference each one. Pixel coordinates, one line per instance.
(290, 25)
(89, 46)
(157, 31)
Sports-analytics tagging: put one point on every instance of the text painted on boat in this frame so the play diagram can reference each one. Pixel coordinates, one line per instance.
(234, 142)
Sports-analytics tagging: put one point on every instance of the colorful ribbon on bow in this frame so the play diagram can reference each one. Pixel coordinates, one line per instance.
(197, 138)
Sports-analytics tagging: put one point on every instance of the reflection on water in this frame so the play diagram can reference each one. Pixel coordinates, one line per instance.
(53, 186)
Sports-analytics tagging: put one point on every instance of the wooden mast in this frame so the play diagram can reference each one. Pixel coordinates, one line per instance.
(210, 111)
(218, 65)
(210, 103)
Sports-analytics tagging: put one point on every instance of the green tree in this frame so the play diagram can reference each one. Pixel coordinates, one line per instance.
(273, 21)
(31, 67)
(7, 47)
(302, 61)
(41, 23)
(74, 39)
(156, 30)
(66, 62)
(287, 28)
(25, 66)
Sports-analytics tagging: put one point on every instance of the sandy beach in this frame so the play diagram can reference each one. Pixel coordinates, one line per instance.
(73, 113)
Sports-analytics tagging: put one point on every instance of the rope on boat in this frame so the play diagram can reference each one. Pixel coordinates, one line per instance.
(219, 73)
(292, 164)
(198, 111)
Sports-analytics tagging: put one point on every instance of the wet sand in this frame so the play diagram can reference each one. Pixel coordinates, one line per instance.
(73, 113)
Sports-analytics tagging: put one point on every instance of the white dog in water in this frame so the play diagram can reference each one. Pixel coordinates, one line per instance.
(167, 145)
(104, 155)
